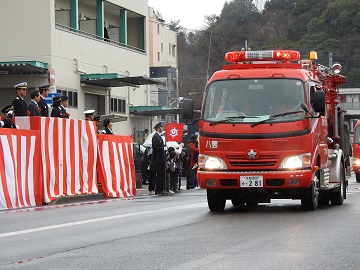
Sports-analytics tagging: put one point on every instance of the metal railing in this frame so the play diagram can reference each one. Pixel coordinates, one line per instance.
(97, 38)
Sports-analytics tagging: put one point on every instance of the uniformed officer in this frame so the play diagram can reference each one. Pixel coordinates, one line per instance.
(6, 109)
(56, 111)
(32, 107)
(89, 115)
(63, 104)
(44, 91)
(7, 122)
(19, 103)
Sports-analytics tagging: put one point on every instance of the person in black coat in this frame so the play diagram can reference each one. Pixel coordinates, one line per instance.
(158, 158)
(7, 122)
(32, 107)
(64, 101)
(56, 111)
(44, 92)
(19, 103)
(107, 127)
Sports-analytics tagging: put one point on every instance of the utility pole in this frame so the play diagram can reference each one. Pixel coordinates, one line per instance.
(207, 72)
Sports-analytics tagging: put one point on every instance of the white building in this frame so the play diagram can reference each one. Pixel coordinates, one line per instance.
(163, 68)
(98, 49)
(350, 101)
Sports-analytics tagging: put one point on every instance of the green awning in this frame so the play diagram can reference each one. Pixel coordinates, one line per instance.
(23, 68)
(115, 80)
(154, 110)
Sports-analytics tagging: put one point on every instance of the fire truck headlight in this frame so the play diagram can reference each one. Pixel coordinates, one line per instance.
(296, 162)
(211, 163)
(356, 161)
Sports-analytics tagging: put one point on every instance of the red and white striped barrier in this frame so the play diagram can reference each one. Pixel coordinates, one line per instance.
(20, 174)
(51, 157)
(116, 170)
(69, 153)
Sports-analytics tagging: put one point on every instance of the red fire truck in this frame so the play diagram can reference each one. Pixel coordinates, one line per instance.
(356, 151)
(271, 127)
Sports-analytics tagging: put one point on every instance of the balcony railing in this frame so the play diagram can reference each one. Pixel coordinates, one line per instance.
(98, 38)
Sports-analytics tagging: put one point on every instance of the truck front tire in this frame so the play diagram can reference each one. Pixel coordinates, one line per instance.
(310, 200)
(216, 200)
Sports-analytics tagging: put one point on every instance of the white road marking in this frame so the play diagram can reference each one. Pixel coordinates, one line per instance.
(188, 206)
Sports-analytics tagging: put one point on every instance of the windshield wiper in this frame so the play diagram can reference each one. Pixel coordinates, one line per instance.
(274, 117)
(230, 118)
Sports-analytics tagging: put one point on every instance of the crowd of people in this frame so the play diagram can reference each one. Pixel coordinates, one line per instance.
(163, 167)
(38, 106)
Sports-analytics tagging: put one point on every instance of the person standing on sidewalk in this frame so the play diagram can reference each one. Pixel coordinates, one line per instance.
(33, 108)
(19, 104)
(44, 92)
(194, 153)
(158, 158)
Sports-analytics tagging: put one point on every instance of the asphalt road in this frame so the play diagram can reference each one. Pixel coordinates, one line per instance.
(179, 232)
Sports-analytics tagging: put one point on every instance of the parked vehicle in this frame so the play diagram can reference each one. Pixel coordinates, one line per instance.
(138, 153)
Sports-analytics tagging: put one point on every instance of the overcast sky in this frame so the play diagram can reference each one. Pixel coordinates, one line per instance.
(190, 12)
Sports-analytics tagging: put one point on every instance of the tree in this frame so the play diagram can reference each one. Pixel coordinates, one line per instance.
(174, 25)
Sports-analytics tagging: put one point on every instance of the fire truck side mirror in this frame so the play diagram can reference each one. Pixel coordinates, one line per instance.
(312, 92)
(318, 101)
(188, 109)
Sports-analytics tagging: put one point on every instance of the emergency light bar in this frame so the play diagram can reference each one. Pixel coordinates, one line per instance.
(276, 55)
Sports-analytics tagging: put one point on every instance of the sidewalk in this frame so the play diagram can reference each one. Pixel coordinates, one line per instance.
(140, 192)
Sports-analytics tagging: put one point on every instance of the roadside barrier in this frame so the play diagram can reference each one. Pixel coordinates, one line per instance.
(116, 166)
(50, 157)
(20, 174)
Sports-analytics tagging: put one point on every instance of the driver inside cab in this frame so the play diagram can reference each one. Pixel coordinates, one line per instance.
(231, 101)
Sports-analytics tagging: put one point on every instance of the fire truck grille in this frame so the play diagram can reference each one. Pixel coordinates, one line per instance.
(241, 161)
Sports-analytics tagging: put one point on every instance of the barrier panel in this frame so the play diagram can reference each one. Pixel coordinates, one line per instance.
(20, 173)
(116, 171)
(68, 155)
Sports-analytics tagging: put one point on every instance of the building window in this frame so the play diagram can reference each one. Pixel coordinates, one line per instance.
(158, 56)
(169, 49)
(118, 105)
(173, 50)
(158, 28)
(162, 47)
(72, 95)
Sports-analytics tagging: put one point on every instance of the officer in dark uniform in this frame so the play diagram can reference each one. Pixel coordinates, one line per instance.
(158, 159)
(19, 103)
(7, 122)
(44, 91)
(63, 104)
(56, 111)
(89, 115)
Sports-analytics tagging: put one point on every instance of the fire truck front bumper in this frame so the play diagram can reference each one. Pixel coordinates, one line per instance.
(261, 180)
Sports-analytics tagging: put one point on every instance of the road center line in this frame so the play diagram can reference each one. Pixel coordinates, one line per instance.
(188, 206)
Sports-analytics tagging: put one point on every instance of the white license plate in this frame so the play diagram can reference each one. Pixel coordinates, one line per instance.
(251, 181)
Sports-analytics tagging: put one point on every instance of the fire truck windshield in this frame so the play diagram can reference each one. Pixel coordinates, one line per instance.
(254, 100)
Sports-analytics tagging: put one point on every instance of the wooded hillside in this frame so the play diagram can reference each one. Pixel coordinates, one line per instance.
(323, 26)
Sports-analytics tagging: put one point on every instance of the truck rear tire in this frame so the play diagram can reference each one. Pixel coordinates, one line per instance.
(310, 200)
(237, 202)
(216, 200)
(337, 198)
(357, 177)
(341, 131)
